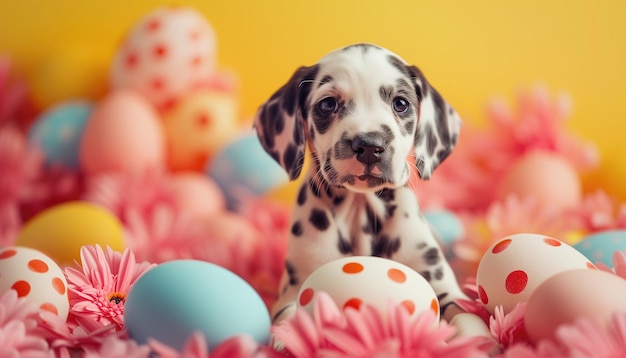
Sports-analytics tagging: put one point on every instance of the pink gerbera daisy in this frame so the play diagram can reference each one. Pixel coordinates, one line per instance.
(98, 289)
(366, 332)
(241, 346)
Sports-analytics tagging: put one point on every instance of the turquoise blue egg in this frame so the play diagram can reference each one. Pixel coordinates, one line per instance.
(177, 298)
(58, 133)
(243, 169)
(601, 246)
(446, 225)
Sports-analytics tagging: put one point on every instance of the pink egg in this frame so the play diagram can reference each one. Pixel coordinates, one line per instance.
(123, 133)
(570, 295)
(512, 268)
(167, 53)
(197, 194)
(547, 177)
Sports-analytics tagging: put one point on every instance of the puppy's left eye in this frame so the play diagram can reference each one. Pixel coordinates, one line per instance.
(328, 105)
(400, 105)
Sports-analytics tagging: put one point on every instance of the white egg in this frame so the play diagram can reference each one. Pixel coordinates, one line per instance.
(511, 270)
(357, 280)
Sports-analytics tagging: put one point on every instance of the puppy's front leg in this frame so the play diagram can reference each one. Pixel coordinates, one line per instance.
(315, 239)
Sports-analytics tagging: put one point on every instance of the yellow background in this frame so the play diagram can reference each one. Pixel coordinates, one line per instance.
(470, 50)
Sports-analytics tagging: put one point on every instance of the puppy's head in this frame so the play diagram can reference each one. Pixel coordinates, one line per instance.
(366, 116)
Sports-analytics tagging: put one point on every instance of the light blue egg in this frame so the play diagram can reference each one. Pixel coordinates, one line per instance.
(176, 298)
(446, 225)
(601, 246)
(58, 132)
(243, 169)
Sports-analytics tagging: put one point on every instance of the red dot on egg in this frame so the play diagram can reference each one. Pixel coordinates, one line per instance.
(58, 285)
(22, 288)
(157, 84)
(160, 50)
(591, 266)
(516, 281)
(552, 242)
(196, 61)
(306, 296)
(353, 303)
(194, 35)
(434, 305)
(203, 120)
(352, 267)
(131, 60)
(47, 306)
(153, 25)
(483, 295)
(409, 305)
(37, 266)
(396, 275)
(501, 246)
(7, 253)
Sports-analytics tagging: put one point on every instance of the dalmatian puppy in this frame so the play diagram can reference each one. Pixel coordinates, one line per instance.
(367, 118)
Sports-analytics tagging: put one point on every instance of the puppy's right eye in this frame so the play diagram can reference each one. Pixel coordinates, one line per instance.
(328, 105)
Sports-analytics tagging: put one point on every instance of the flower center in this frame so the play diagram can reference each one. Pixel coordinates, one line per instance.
(117, 297)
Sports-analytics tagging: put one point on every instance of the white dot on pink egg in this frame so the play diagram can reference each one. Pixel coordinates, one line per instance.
(545, 177)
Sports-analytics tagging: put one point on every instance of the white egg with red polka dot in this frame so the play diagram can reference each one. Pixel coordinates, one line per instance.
(357, 280)
(512, 268)
(36, 277)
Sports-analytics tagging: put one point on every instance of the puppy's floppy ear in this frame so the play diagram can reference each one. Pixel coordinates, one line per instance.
(281, 121)
(437, 129)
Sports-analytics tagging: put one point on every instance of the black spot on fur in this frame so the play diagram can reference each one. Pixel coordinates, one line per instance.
(319, 219)
(386, 92)
(315, 188)
(419, 137)
(298, 133)
(289, 157)
(390, 210)
(344, 246)
(399, 65)
(432, 256)
(302, 195)
(408, 126)
(291, 273)
(386, 195)
(384, 246)
(440, 117)
(441, 296)
(296, 228)
(442, 155)
(421, 245)
(431, 141)
(426, 275)
(438, 274)
(325, 79)
(363, 47)
(338, 200)
(374, 224)
(343, 148)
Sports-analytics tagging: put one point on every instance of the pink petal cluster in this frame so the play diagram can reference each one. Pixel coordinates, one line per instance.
(367, 332)
(98, 288)
(241, 346)
(19, 336)
(15, 104)
(508, 329)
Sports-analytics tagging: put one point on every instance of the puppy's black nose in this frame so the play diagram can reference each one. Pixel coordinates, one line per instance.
(368, 149)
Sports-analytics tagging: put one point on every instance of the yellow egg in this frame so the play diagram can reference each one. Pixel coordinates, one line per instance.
(197, 126)
(67, 73)
(62, 230)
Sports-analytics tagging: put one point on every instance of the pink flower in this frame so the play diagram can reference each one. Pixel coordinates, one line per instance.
(619, 265)
(597, 212)
(588, 338)
(196, 347)
(368, 333)
(18, 323)
(15, 105)
(116, 347)
(508, 329)
(124, 192)
(97, 291)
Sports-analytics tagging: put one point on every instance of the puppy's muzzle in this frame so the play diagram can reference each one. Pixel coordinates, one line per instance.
(369, 148)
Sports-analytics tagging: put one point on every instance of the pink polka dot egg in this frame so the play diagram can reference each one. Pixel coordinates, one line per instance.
(357, 280)
(36, 277)
(512, 268)
(168, 52)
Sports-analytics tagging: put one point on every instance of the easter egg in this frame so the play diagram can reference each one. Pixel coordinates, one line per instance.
(547, 177)
(197, 126)
(512, 268)
(170, 51)
(123, 133)
(243, 169)
(353, 281)
(60, 231)
(567, 296)
(601, 246)
(197, 194)
(35, 277)
(447, 226)
(177, 298)
(58, 132)
(70, 72)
